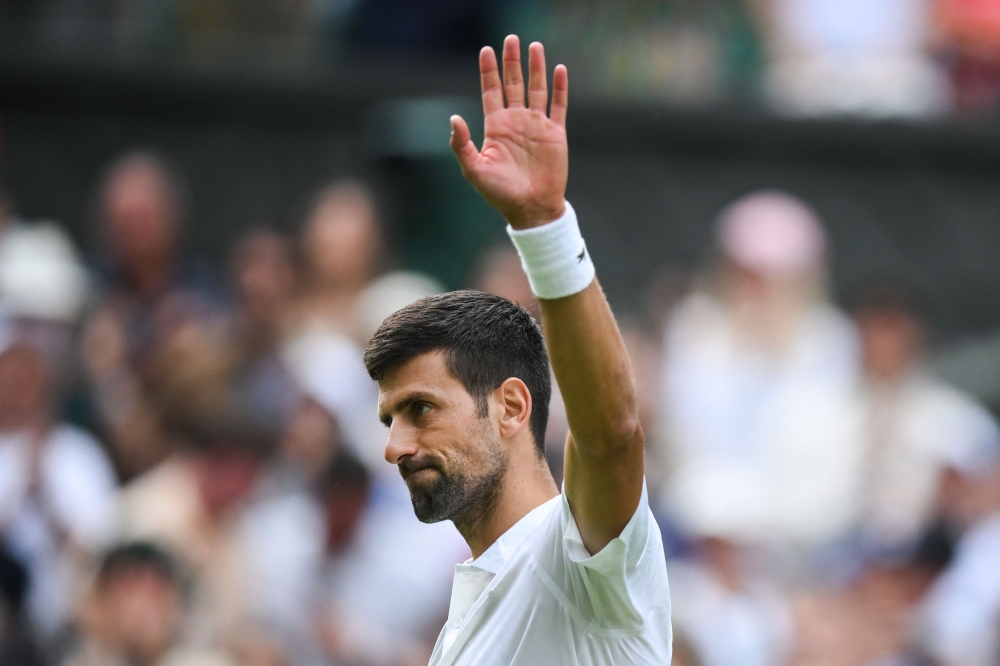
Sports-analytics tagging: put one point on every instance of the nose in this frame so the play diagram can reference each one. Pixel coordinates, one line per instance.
(401, 443)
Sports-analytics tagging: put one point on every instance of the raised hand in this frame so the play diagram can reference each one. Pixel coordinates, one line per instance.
(524, 163)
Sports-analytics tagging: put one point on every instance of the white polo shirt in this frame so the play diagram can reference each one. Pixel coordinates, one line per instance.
(536, 596)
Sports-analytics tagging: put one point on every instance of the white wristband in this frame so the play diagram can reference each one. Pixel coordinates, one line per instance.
(555, 257)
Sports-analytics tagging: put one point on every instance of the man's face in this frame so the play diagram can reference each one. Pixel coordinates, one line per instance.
(449, 456)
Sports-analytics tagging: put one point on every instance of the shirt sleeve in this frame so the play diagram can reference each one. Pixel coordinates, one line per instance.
(618, 587)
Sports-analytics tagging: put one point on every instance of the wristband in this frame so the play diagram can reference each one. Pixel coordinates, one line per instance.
(555, 257)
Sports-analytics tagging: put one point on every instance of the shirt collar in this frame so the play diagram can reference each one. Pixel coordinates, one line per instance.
(497, 554)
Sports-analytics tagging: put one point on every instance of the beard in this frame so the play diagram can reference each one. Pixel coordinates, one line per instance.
(465, 492)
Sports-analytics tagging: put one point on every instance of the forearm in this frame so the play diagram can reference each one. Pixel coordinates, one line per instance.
(592, 369)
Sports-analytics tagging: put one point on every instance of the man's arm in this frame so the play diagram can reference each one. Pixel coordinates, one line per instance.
(522, 171)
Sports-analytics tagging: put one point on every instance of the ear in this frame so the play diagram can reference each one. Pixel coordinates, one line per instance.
(514, 402)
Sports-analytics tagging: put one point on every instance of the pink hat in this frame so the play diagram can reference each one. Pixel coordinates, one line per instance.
(772, 233)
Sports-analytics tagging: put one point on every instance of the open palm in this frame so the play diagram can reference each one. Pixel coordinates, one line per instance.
(524, 162)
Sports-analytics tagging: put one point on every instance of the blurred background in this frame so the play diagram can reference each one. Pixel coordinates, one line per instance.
(207, 206)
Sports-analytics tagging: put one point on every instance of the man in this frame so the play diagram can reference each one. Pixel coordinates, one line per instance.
(571, 578)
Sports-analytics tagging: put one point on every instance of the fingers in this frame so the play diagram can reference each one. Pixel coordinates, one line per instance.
(461, 144)
(560, 95)
(513, 81)
(538, 86)
(489, 75)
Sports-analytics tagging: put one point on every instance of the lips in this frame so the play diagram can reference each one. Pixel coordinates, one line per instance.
(408, 469)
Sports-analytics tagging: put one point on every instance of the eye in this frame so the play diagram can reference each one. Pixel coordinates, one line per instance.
(421, 408)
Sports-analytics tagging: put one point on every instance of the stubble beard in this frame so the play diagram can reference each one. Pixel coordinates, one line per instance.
(460, 497)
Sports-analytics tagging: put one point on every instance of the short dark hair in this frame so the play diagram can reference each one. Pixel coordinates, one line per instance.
(486, 339)
(138, 555)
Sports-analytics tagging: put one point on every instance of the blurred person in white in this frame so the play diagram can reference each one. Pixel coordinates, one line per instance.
(724, 604)
(144, 292)
(759, 371)
(57, 488)
(961, 614)
(341, 248)
(914, 422)
(866, 57)
(132, 614)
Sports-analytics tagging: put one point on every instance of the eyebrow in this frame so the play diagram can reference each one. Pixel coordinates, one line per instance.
(403, 403)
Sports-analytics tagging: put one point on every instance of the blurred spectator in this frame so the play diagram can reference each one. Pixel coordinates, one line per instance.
(341, 247)
(145, 294)
(971, 33)
(134, 614)
(43, 288)
(874, 619)
(265, 280)
(867, 57)
(17, 642)
(57, 488)
(915, 424)
(759, 371)
(724, 604)
(388, 589)
(192, 500)
(961, 616)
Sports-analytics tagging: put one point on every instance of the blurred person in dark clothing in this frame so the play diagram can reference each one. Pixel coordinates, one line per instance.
(145, 292)
(915, 424)
(133, 614)
(57, 488)
(17, 643)
(264, 277)
(875, 618)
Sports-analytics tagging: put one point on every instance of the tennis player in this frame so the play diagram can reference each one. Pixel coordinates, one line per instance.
(571, 577)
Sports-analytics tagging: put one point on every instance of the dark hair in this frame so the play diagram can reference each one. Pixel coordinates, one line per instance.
(890, 294)
(486, 340)
(140, 555)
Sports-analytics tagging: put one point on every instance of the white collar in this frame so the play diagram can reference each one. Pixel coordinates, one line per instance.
(500, 551)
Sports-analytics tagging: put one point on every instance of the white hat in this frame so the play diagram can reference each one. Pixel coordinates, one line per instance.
(41, 275)
(713, 497)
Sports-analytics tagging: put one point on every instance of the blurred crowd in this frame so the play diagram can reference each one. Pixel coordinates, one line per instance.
(881, 58)
(191, 468)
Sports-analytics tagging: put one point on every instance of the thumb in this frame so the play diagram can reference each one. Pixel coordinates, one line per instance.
(461, 144)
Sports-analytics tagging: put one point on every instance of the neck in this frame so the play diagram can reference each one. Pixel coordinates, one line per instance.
(527, 485)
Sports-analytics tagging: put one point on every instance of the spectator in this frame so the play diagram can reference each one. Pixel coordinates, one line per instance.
(724, 603)
(43, 288)
(961, 615)
(971, 33)
(145, 294)
(341, 246)
(914, 423)
(57, 488)
(759, 371)
(133, 614)
(17, 642)
(265, 280)
(867, 57)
